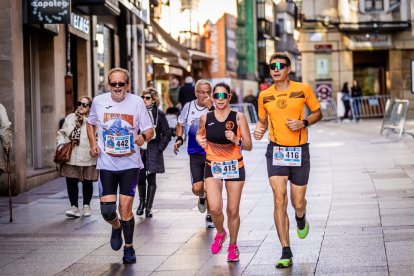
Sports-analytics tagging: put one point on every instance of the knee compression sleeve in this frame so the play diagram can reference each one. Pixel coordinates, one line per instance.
(108, 210)
(128, 230)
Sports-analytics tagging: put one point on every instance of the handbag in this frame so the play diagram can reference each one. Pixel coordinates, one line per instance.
(63, 154)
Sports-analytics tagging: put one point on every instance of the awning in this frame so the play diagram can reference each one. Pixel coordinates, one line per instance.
(166, 43)
(198, 55)
(98, 7)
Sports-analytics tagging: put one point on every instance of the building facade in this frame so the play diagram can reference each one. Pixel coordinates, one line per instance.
(51, 57)
(370, 41)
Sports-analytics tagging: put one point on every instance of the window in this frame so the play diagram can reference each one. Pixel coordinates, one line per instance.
(374, 5)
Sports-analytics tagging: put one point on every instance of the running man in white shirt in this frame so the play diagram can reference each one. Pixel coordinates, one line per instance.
(189, 117)
(118, 116)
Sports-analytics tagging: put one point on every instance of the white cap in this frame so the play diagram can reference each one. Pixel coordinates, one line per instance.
(189, 79)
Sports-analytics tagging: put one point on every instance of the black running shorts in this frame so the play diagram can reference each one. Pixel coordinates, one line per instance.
(197, 164)
(297, 175)
(109, 180)
(242, 174)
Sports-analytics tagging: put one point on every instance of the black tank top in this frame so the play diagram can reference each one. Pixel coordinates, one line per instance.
(215, 129)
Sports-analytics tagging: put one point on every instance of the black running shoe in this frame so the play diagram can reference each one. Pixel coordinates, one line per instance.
(116, 238)
(209, 222)
(129, 255)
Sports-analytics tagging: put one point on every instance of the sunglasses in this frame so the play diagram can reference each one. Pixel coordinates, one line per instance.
(278, 65)
(83, 104)
(146, 97)
(221, 95)
(115, 84)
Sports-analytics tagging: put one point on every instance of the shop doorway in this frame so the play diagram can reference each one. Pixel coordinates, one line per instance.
(370, 70)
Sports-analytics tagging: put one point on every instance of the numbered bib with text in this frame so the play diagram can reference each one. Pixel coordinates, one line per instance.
(287, 156)
(118, 145)
(225, 169)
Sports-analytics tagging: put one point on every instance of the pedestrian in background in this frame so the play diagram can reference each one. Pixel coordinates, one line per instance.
(234, 97)
(186, 93)
(5, 138)
(188, 121)
(82, 166)
(152, 153)
(345, 100)
(251, 99)
(173, 94)
(222, 134)
(118, 116)
(356, 94)
(287, 154)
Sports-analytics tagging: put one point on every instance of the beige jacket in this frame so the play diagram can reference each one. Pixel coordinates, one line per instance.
(5, 136)
(80, 154)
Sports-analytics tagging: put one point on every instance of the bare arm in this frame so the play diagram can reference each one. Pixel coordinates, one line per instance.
(245, 132)
(201, 132)
(144, 137)
(91, 131)
(179, 130)
(315, 117)
(261, 128)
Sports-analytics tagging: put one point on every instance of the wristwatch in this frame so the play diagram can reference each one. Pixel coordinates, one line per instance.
(306, 123)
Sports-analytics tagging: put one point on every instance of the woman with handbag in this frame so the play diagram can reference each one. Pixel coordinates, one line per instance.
(80, 166)
(152, 153)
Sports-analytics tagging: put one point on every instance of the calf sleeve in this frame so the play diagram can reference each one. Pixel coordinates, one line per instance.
(108, 210)
(128, 230)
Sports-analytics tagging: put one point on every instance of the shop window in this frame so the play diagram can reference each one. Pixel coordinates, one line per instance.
(374, 5)
(105, 54)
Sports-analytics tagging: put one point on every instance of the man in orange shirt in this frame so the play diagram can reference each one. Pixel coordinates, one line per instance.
(282, 104)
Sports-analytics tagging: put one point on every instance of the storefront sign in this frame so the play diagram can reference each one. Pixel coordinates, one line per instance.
(231, 48)
(370, 41)
(323, 47)
(49, 11)
(79, 22)
(138, 7)
(214, 49)
(324, 91)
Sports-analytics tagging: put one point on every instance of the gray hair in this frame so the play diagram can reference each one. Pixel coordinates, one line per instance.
(201, 82)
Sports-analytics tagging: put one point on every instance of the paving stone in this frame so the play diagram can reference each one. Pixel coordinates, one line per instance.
(360, 208)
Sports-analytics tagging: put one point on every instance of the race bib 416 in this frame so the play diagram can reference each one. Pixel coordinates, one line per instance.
(287, 156)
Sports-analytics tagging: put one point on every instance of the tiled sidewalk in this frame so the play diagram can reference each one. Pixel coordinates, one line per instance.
(360, 208)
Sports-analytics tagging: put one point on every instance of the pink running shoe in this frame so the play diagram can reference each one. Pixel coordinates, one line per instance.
(218, 242)
(233, 251)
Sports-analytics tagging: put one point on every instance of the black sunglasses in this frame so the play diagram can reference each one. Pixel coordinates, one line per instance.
(115, 84)
(220, 95)
(84, 104)
(278, 65)
(146, 97)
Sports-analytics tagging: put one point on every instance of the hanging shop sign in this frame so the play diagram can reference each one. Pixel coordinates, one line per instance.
(49, 11)
(79, 22)
(370, 41)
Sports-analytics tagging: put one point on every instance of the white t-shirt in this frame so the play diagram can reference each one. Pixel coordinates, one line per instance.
(118, 124)
(189, 119)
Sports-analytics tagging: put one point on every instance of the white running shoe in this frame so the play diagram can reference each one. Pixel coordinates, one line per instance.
(87, 211)
(202, 204)
(73, 212)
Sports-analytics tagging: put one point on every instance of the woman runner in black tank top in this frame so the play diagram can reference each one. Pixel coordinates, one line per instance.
(222, 133)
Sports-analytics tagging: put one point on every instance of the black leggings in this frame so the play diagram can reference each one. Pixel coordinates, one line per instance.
(73, 191)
